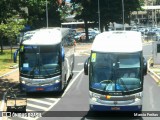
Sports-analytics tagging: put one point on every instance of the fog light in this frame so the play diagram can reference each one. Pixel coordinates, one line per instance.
(57, 81)
(23, 82)
(94, 99)
(137, 99)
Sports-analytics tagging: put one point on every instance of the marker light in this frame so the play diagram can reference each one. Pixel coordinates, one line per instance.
(108, 96)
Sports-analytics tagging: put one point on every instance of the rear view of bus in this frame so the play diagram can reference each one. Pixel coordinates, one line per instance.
(116, 68)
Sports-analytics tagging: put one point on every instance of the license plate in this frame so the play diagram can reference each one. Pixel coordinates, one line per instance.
(115, 108)
(39, 89)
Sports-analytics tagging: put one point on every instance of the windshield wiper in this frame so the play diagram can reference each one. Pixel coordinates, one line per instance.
(124, 85)
(32, 71)
(36, 65)
(44, 68)
(107, 83)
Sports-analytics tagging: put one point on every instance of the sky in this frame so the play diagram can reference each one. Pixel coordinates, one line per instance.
(68, 0)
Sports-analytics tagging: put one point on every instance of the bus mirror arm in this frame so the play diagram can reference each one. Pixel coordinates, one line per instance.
(63, 57)
(63, 54)
(15, 55)
(86, 63)
(144, 67)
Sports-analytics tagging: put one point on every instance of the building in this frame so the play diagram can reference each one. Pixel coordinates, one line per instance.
(149, 16)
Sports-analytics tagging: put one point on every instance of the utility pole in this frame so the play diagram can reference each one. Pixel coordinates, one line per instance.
(47, 13)
(123, 13)
(99, 17)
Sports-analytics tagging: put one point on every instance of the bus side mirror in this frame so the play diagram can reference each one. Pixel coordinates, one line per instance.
(144, 67)
(86, 63)
(63, 54)
(15, 55)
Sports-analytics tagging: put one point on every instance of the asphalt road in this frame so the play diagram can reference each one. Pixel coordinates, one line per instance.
(76, 97)
(147, 50)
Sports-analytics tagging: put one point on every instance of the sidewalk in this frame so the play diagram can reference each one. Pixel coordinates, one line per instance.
(154, 71)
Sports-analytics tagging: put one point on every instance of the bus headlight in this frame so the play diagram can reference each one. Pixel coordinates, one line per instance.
(57, 81)
(94, 99)
(95, 96)
(138, 96)
(23, 82)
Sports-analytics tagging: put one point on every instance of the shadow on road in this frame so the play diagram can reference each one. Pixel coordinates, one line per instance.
(5, 84)
(110, 116)
(44, 95)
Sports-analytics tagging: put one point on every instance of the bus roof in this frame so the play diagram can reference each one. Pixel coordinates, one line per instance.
(118, 41)
(44, 36)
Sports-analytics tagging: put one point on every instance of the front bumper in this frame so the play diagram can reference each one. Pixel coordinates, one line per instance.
(47, 88)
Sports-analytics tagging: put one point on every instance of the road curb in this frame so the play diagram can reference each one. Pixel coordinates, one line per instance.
(152, 73)
(8, 73)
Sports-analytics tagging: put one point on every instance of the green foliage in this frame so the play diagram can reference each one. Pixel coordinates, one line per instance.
(10, 8)
(37, 13)
(157, 2)
(11, 28)
(110, 10)
(64, 11)
(5, 61)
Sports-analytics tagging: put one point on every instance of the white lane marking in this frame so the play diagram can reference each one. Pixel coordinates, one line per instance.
(80, 64)
(40, 101)
(28, 110)
(37, 106)
(76, 71)
(53, 99)
(68, 69)
(68, 87)
(79, 83)
(70, 84)
(49, 108)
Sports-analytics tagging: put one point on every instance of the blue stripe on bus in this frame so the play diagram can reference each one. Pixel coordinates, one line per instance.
(47, 88)
(109, 108)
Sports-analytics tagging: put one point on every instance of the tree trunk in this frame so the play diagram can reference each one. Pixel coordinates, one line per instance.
(11, 49)
(86, 29)
(1, 45)
(106, 27)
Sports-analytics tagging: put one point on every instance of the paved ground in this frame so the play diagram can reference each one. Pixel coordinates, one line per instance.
(11, 76)
(154, 71)
(12, 79)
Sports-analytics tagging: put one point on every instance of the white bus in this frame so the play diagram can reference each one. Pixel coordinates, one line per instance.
(46, 59)
(116, 69)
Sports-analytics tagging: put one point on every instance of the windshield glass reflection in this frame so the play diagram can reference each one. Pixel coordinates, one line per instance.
(40, 60)
(115, 72)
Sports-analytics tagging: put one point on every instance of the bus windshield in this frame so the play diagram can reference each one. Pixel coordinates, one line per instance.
(111, 72)
(40, 61)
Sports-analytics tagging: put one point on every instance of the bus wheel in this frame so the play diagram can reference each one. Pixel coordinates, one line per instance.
(20, 87)
(71, 75)
(65, 82)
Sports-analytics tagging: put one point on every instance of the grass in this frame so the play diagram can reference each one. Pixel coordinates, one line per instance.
(5, 60)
